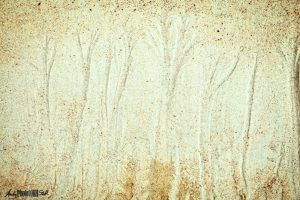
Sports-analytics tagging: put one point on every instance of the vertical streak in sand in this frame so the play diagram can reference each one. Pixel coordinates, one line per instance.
(247, 126)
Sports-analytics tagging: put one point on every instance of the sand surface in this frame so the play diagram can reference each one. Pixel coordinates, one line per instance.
(150, 100)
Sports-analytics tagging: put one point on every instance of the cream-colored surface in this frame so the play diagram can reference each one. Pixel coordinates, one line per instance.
(150, 100)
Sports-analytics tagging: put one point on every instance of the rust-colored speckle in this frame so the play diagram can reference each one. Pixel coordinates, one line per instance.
(128, 181)
(160, 178)
(270, 189)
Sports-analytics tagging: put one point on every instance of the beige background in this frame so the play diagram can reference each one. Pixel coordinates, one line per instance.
(150, 99)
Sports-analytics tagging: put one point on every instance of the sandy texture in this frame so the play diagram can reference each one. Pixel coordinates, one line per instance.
(151, 99)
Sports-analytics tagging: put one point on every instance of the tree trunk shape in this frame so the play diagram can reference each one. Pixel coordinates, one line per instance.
(204, 141)
(116, 138)
(293, 77)
(162, 150)
(165, 143)
(295, 99)
(46, 137)
(209, 90)
(246, 129)
(176, 180)
(76, 169)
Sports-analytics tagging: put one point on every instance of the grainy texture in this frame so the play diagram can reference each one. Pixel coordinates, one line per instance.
(150, 99)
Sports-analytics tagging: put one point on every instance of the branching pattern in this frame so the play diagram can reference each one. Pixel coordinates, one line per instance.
(100, 147)
(111, 101)
(46, 135)
(210, 88)
(174, 53)
(77, 149)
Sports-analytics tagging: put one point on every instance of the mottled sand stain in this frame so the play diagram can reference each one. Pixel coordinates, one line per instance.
(128, 181)
(190, 189)
(160, 178)
(272, 188)
(188, 186)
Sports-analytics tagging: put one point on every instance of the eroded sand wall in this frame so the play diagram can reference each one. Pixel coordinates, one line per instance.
(150, 100)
